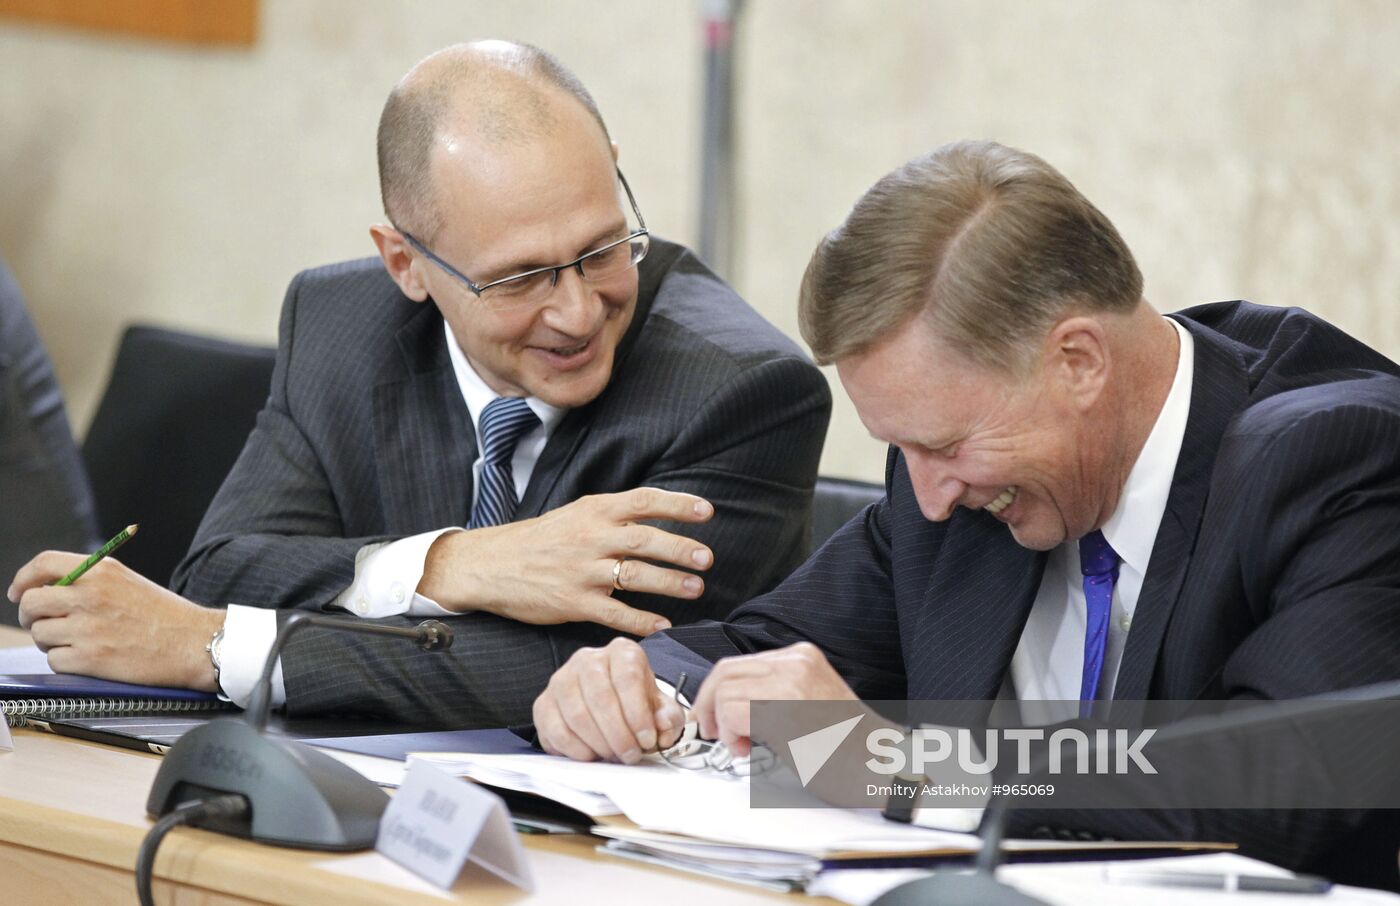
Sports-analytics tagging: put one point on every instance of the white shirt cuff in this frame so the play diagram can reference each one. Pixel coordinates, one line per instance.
(387, 577)
(248, 636)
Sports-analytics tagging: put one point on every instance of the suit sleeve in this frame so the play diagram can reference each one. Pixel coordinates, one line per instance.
(841, 600)
(271, 536)
(751, 449)
(488, 678)
(1320, 565)
(47, 501)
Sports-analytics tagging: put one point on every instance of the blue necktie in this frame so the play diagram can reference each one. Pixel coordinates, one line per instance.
(504, 421)
(1099, 564)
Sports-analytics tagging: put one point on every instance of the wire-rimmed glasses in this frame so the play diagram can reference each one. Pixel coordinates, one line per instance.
(534, 286)
(691, 753)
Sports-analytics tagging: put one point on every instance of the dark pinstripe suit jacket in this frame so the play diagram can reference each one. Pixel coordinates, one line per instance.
(1275, 573)
(366, 438)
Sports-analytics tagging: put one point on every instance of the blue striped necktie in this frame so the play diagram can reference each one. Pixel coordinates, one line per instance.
(1099, 563)
(504, 421)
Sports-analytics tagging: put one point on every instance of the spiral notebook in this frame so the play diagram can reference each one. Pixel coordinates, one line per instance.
(28, 688)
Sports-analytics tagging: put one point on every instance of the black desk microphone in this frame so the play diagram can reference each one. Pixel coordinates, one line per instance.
(296, 795)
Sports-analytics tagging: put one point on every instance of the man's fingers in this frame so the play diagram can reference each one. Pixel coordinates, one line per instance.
(67, 659)
(44, 603)
(555, 736)
(48, 567)
(732, 716)
(669, 718)
(634, 685)
(702, 707)
(634, 575)
(651, 543)
(49, 634)
(576, 715)
(654, 503)
(614, 614)
(609, 717)
(722, 709)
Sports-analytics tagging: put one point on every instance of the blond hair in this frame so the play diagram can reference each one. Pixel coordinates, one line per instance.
(991, 244)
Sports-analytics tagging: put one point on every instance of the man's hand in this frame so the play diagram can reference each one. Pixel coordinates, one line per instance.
(115, 624)
(558, 568)
(604, 703)
(795, 673)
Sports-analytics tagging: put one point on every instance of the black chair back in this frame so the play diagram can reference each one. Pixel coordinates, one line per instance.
(836, 501)
(177, 411)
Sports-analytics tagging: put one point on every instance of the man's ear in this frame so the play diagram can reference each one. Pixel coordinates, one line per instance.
(399, 261)
(615, 151)
(1077, 355)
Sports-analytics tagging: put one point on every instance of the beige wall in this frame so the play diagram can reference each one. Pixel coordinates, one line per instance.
(1245, 149)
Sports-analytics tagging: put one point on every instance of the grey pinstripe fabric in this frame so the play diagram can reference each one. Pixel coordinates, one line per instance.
(366, 438)
(1275, 573)
(46, 500)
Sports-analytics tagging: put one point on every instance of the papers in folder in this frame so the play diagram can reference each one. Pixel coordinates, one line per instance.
(700, 821)
(700, 805)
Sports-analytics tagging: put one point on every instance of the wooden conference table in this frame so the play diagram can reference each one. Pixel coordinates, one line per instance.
(72, 816)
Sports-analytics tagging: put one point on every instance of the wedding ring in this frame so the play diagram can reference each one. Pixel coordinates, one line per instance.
(617, 574)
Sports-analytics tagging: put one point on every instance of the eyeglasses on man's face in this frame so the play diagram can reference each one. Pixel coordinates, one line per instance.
(534, 286)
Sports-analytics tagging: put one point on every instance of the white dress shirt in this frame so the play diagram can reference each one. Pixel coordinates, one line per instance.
(1049, 660)
(386, 574)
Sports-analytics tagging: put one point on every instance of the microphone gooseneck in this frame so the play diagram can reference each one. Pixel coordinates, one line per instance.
(430, 635)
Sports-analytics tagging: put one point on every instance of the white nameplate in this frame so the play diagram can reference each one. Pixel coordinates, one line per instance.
(436, 822)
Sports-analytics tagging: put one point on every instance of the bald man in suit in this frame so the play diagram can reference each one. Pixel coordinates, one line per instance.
(529, 418)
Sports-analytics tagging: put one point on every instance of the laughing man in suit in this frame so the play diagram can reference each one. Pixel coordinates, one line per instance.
(1228, 473)
(518, 307)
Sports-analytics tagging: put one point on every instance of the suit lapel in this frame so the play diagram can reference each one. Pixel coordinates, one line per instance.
(568, 435)
(424, 443)
(559, 451)
(1219, 389)
(979, 596)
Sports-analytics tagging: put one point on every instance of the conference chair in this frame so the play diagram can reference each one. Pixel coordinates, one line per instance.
(177, 411)
(836, 500)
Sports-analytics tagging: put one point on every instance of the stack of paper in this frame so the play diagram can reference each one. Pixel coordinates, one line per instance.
(704, 805)
(578, 785)
(701, 820)
(777, 869)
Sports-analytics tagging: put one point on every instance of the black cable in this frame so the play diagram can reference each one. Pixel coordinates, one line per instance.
(230, 806)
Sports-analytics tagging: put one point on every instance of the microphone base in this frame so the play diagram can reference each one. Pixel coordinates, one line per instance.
(297, 795)
(950, 888)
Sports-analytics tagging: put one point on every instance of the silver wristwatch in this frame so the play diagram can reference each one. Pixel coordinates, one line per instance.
(214, 646)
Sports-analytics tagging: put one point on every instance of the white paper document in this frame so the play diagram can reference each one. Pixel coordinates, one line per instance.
(571, 783)
(701, 804)
(381, 771)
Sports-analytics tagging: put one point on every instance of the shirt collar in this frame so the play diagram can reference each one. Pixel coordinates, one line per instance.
(1132, 528)
(477, 395)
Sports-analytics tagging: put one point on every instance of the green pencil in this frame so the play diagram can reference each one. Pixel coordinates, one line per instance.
(105, 550)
